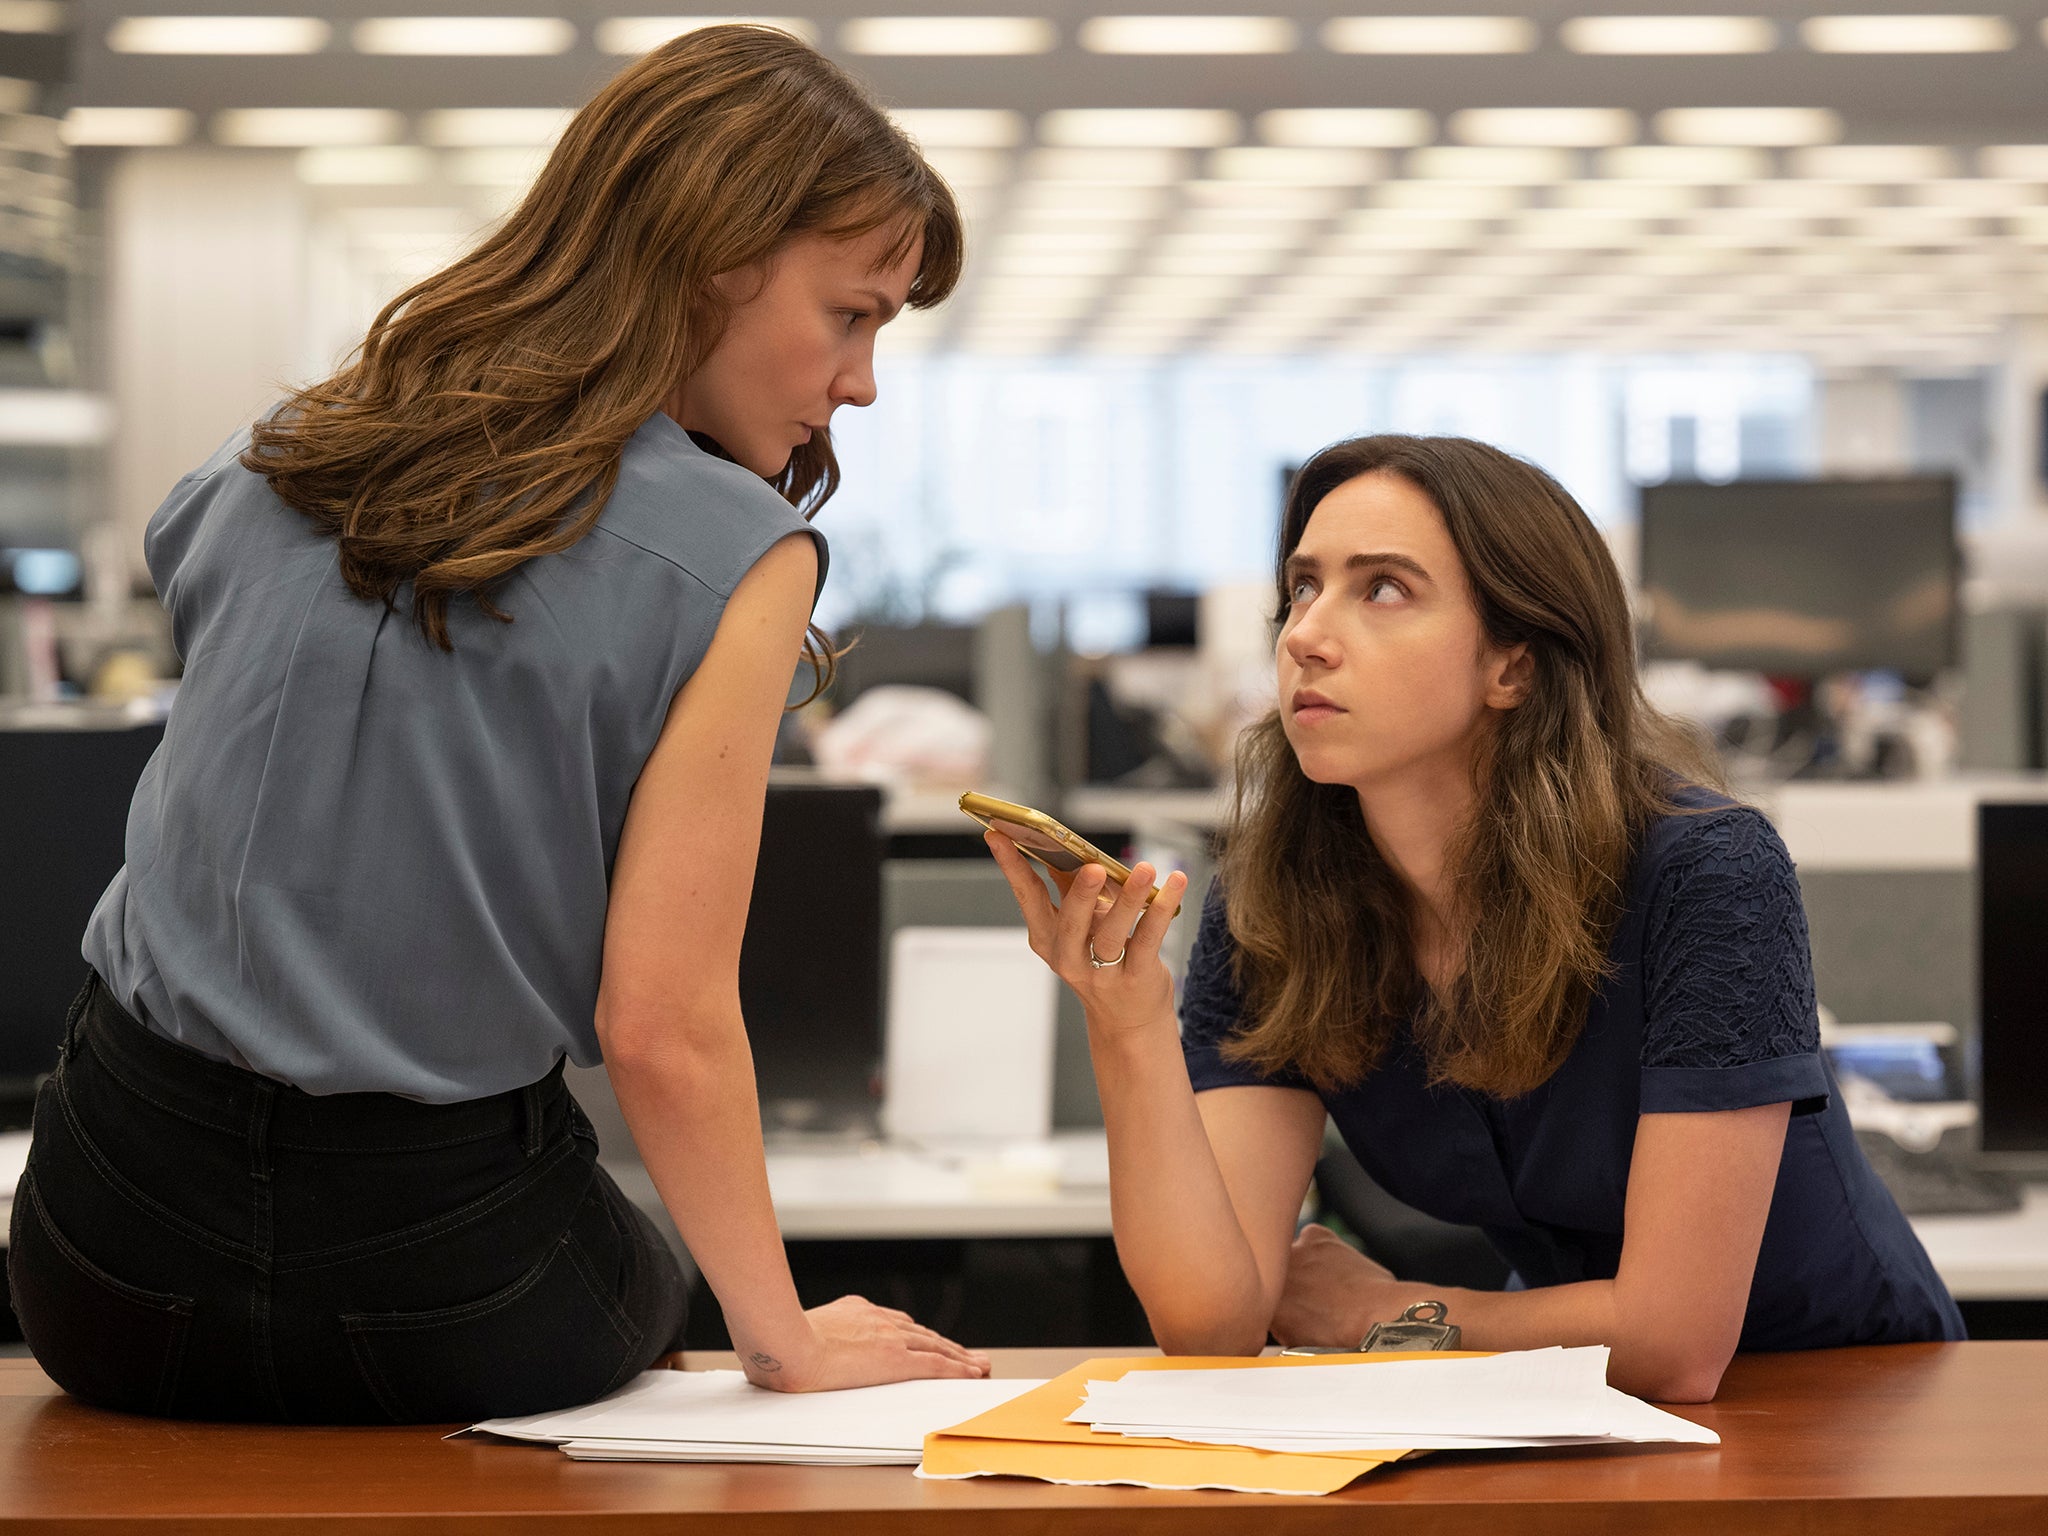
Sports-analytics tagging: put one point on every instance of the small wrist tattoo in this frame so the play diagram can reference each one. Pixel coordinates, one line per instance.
(762, 1362)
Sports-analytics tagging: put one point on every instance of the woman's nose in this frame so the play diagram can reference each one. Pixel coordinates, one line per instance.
(1307, 640)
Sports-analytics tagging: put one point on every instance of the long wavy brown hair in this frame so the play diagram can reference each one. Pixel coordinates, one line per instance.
(481, 422)
(1565, 785)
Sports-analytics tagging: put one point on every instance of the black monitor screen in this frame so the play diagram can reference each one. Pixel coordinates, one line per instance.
(2012, 933)
(1801, 578)
(64, 798)
(811, 962)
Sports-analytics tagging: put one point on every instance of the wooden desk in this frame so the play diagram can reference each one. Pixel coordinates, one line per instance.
(1914, 1440)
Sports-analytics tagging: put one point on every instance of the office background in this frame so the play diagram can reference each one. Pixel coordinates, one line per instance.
(1688, 262)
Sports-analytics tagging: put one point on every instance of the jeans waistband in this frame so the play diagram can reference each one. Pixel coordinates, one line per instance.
(227, 1098)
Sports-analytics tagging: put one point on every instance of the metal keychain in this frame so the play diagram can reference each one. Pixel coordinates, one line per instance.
(1422, 1326)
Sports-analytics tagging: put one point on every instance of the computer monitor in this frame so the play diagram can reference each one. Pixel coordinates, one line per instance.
(811, 961)
(921, 655)
(1801, 578)
(2012, 1005)
(64, 796)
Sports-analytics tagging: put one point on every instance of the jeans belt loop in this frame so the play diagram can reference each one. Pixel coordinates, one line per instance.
(530, 1104)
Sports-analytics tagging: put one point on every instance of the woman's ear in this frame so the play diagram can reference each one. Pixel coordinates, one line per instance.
(1511, 674)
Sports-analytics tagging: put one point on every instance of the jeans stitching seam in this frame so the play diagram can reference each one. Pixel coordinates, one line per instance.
(469, 1312)
(426, 1231)
(122, 1186)
(614, 1314)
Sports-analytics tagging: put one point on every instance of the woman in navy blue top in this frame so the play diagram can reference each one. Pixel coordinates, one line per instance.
(1476, 906)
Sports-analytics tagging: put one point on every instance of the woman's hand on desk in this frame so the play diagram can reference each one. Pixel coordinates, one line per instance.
(1103, 944)
(858, 1344)
(1334, 1293)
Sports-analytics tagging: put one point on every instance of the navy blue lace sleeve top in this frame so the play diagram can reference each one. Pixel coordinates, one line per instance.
(1709, 1005)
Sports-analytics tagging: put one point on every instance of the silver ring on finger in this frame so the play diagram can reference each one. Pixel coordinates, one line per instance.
(1101, 964)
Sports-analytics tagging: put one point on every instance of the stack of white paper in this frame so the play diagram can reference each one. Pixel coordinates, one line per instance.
(1535, 1397)
(721, 1416)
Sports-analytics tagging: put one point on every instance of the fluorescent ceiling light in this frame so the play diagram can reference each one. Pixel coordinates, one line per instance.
(1413, 231)
(2016, 162)
(1664, 162)
(1259, 199)
(464, 36)
(1449, 197)
(1204, 259)
(1800, 196)
(1565, 127)
(1297, 167)
(1907, 34)
(1138, 127)
(970, 168)
(1062, 263)
(1086, 237)
(1771, 127)
(1875, 162)
(1083, 200)
(631, 35)
(1429, 34)
(373, 165)
(31, 16)
(961, 127)
(1233, 237)
(1188, 34)
(1107, 167)
(949, 36)
(1633, 196)
(514, 167)
(1464, 163)
(490, 127)
(127, 127)
(1346, 127)
(1580, 229)
(302, 127)
(1669, 34)
(218, 34)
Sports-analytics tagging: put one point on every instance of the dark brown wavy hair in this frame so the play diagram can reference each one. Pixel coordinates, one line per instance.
(481, 422)
(1566, 783)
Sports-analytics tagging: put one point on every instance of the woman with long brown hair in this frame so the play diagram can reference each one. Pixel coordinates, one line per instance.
(1482, 907)
(486, 638)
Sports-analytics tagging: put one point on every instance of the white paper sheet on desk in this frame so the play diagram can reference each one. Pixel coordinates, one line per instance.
(721, 1416)
(1524, 1398)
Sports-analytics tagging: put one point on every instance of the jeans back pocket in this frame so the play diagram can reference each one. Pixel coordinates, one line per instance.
(553, 1338)
(105, 1342)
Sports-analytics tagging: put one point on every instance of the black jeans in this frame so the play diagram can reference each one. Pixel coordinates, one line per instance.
(197, 1241)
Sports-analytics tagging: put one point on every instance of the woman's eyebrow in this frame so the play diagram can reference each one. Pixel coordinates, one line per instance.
(1309, 565)
(883, 302)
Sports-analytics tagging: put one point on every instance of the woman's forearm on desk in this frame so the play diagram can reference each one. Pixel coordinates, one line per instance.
(1191, 1244)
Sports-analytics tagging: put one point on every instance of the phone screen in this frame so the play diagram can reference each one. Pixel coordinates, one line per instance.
(1037, 844)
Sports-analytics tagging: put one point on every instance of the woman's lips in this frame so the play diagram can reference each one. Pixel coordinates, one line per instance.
(1315, 714)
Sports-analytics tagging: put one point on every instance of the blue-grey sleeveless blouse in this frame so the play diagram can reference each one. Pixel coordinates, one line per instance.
(361, 863)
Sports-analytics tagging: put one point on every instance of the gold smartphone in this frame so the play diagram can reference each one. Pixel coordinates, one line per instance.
(1040, 837)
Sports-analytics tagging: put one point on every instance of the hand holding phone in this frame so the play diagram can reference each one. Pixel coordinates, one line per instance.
(1038, 836)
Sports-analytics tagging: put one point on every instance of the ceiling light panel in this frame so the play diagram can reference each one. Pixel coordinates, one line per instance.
(126, 127)
(1258, 163)
(1346, 127)
(1563, 127)
(1138, 128)
(1664, 197)
(1646, 35)
(1468, 163)
(1450, 197)
(1107, 167)
(1761, 127)
(491, 127)
(305, 127)
(1429, 34)
(219, 34)
(1907, 34)
(1668, 162)
(464, 36)
(1189, 34)
(627, 36)
(1874, 162)
(1081, 200)
(961, 127)
(375, 165)
(1802, 196)
(948, 36)
(2019, 162)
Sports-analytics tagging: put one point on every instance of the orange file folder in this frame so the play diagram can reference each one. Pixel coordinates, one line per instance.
(1030, 1437)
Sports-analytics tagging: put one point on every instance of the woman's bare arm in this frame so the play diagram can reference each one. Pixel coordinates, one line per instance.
(1203, 1192)
(668, 1011)
(1699, 1191)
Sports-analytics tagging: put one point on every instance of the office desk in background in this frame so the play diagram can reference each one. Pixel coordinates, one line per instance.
(1907, 1440)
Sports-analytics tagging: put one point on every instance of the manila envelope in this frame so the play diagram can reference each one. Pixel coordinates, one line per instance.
(1029, 1436)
